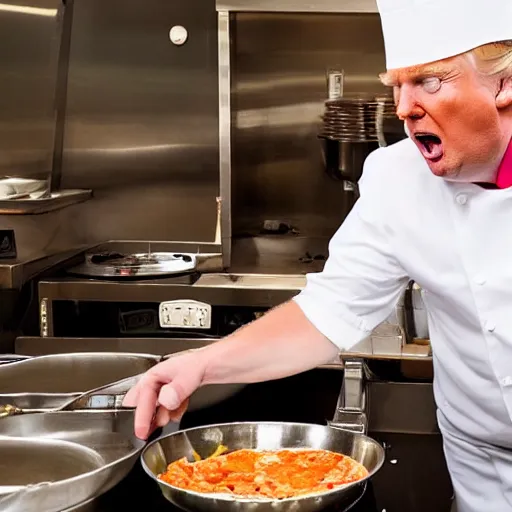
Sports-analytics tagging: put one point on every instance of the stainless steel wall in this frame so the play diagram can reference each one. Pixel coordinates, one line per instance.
(279, 87)
(141, 125)
(142, 119)
(29, 51)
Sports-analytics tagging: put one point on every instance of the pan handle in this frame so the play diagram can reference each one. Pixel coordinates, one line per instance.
(108, 397)
(9, 410)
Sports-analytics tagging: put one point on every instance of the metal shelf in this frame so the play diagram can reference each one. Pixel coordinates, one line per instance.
(237, 289)
(49, 345)
(56, 201)
(320, 6)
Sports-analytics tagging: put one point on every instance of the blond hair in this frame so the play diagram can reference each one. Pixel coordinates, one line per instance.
(494, 59)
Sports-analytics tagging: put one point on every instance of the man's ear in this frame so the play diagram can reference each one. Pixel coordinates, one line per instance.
(504, 96)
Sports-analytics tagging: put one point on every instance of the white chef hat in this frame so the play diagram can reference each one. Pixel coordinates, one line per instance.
(423, 31)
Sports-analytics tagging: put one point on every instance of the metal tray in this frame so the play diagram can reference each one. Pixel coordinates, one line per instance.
(109, 435)
(38, 205)
(47, 382)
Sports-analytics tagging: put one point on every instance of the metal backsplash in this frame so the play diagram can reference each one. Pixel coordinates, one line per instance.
(141, 126)
(29, 53)
(142, 120)
(279, 65)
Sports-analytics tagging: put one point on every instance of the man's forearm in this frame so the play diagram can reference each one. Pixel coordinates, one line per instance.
(281, 343)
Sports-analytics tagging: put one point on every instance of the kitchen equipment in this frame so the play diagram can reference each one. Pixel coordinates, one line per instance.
(148, 264)
(352, 127)
(48, 382)
(309, 398)
(344, 160)
(144, 260)
(270, 436)
(357, 118)
(108, 433)
(109, 397)
(26, 462)
(104, 436)
(415, 317)
(77, 372)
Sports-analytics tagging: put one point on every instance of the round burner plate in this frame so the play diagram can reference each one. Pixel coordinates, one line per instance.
(136, 265)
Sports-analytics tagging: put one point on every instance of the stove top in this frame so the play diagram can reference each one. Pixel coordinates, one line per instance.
(148, 264)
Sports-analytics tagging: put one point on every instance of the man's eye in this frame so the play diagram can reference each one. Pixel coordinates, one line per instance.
(431, 85)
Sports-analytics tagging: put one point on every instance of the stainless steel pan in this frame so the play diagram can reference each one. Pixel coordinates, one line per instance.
(47, 382)
(94, 421)
(26, 462)
(108, 434)
(109, 397)
(264, 436)
(71, 374)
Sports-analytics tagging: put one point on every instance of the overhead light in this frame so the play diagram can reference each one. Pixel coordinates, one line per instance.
(23, 9)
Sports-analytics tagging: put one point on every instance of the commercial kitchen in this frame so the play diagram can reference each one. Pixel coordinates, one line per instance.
(169, 171)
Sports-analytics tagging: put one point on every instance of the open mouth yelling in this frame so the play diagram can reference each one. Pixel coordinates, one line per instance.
(430, 145)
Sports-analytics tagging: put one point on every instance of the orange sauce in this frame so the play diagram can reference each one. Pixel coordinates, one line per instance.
(275, 474)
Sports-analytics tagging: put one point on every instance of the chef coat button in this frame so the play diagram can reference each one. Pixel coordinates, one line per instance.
(506, 381)
(480, 279)
(489, 326)
(461, 199)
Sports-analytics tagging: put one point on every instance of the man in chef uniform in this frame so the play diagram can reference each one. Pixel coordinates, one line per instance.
(435, 208)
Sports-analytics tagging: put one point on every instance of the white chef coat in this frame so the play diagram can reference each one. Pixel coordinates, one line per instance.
(455, 241)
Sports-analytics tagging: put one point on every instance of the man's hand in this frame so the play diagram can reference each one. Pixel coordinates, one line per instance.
(162, 393)
(281, 343)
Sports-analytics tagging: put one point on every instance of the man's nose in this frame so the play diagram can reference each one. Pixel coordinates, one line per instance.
(407, 104)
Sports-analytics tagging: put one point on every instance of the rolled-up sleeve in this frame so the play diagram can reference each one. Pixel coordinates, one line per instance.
(362, 278)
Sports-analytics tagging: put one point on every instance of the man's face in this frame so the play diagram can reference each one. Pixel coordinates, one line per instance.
(452, 115)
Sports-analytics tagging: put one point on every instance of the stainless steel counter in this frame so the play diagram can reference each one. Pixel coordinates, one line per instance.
(14, 273)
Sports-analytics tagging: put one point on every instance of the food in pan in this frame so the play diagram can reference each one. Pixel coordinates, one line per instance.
(219, 451)
(275, 474)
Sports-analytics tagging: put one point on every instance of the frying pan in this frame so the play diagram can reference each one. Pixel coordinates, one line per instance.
(108, 434)
(109, 398)
(28, 461)
(31, 384)
(262, 436)
(95, 422)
